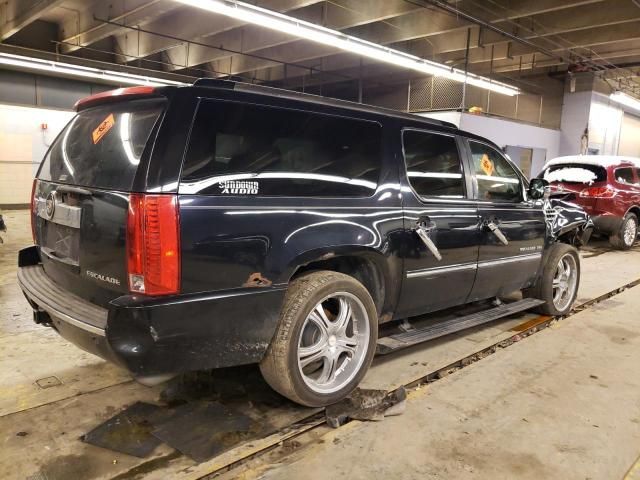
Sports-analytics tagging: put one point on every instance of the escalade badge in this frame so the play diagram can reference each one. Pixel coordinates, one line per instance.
(103, 278)
(50, 205)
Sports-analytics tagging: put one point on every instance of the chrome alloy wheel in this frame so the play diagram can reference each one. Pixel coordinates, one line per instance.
(333, 342)
(630, 232)
(565, 282)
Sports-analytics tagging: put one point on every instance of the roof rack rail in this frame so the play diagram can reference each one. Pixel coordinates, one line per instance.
(214, 82)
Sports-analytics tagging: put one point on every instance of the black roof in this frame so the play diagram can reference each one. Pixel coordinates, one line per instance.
(310, 98)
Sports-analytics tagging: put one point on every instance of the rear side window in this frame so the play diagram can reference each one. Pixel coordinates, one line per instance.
(497, 178)
(575, 173)
(624, 175)
(101, 147)
(433, 164)
(245, 149)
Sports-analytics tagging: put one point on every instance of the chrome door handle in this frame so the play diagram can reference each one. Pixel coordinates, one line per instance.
(497, 232)
(423, 232)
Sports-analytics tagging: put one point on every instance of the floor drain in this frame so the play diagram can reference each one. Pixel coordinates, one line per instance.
(48, 382)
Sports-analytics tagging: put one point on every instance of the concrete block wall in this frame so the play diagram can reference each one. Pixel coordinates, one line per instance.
(23, 144)
(26, 102)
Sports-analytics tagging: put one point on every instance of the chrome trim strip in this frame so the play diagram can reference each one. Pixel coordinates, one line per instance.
(427, 272)
(515, 258)
(63, 214)
(49, 253)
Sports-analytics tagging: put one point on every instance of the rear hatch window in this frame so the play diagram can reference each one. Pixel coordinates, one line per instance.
(101, 147)
(575, 173)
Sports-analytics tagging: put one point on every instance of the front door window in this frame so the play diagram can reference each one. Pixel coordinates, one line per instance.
(497, 180)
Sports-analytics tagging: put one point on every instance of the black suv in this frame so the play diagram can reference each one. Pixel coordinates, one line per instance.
(219, 224)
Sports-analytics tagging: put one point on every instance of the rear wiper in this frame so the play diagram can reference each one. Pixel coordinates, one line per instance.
(71, 189)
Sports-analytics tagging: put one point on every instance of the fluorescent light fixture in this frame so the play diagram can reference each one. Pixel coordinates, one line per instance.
(624, 99)
(315, 33)
(52, 67)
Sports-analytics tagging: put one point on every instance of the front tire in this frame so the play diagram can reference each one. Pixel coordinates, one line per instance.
(559, 282)
(325, 339)
(626, 236)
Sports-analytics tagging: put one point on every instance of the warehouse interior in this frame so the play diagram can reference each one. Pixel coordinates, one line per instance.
(525, 396)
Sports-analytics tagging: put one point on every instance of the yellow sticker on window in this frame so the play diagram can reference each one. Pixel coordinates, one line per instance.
(486, 164)
(106, 125)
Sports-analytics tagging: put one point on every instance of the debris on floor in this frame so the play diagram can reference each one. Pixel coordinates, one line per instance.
(203, 416)
(367, 404)
(129, 431)
(202, 430)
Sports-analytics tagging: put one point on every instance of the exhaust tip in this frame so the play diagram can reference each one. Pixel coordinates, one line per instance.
(153, 380)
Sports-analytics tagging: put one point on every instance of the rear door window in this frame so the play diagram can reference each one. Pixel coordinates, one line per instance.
(433, 164)
(497, 178)
(101, 147)
(247, 149)
(624, 175)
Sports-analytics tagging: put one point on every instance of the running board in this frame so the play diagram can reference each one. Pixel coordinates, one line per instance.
(402, 340)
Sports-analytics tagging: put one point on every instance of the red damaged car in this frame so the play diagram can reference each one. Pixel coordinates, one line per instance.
(607, 187)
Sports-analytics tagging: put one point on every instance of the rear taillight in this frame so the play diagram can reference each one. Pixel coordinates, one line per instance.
(34, 209)
(598, 192)
(153, 244)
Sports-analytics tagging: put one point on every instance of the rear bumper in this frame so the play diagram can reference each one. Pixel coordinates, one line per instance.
(80, 322)
(157, 336)
(609, 224)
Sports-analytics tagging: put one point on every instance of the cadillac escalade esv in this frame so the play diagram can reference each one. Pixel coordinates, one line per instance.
(219, 224)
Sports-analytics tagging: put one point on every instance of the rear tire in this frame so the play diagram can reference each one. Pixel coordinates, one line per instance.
(325, 339)
(626, 236)
(558, 285)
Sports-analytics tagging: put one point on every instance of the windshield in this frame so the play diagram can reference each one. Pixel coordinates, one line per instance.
(575, 173)
(101, 147)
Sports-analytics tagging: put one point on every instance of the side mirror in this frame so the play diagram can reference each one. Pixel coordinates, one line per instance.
(537, 188)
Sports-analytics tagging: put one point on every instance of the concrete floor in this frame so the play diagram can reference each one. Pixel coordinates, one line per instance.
(54, 393)
(562, 404)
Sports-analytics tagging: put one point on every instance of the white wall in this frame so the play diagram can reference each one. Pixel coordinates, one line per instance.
(544, 141)
(505, 132)
(603, 117)
(540, 157)
(451, 117)
(575, 118)
(23, 144)
(605, 122)
(629, 144)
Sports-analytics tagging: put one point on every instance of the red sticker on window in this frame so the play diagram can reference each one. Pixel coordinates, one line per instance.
(106, 125)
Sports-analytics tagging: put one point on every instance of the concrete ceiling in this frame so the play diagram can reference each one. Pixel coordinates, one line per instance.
(543, 37)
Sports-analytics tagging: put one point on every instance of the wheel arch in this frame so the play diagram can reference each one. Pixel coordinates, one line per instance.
(368, 266)
(635, 209)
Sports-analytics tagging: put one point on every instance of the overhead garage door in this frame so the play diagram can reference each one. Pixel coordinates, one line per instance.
(630, 136)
